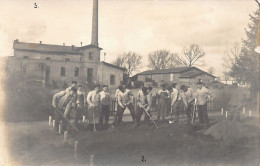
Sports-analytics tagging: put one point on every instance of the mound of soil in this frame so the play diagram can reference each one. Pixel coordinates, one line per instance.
(27, 104)
(230, 131)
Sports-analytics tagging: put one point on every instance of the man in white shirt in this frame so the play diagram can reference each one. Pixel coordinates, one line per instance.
(142, 103)
(93, 100)
(119, 108)
(105, 106)
(125, 101)
(202, 95)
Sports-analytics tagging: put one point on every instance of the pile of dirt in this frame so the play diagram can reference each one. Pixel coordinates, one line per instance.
(231, 131)
(27, 104)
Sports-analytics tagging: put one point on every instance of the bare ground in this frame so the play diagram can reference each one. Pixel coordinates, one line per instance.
(35, 143)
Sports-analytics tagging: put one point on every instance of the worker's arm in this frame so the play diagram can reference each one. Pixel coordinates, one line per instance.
(56, 96)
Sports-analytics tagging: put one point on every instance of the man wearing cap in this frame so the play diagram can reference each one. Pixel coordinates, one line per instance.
(119, 104)
(93, 100)
(202, 95)
(73, 84)
(164, 96)
(105, 104)
(124, 101)
(142, 103)
(64, 105)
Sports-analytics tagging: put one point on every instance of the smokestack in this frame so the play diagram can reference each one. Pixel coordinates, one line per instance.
(94, 40)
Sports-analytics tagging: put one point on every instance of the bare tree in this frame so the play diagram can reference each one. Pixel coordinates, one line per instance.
(230, 55)
(226, 76)
(131, 61)
(120, 60)
(163, 59)
(192, 55)
(211, 70)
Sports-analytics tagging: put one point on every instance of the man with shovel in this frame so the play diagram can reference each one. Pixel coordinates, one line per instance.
(63, 106)
(93, 100)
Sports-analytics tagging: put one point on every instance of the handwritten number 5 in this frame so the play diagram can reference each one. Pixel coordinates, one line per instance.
(35, 5)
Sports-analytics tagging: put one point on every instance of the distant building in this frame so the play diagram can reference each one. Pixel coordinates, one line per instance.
(186, 75)
(60, 64)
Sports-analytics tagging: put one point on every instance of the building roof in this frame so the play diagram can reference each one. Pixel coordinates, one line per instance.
(194, 73)
(186, 72)
(114, 66)
(165, 71)
(60, 49)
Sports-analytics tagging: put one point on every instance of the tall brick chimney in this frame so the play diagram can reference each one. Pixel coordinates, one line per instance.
(94, 39)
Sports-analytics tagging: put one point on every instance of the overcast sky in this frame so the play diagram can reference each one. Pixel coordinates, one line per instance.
(137, 25)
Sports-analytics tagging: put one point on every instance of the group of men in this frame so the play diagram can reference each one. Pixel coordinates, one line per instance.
(184, 101)
(170, 100)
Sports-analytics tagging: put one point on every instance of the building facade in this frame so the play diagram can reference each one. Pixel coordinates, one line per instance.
(181, 75)
(58, 65)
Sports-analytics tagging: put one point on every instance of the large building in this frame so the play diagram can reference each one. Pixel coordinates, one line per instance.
(185, 75)
(60, 64)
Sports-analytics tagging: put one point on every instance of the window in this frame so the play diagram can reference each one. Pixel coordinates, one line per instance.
(76, 72)
(48, 58)
(62, 71)
(90, 55)
(25, 57)
(112, 79)
(67, 59)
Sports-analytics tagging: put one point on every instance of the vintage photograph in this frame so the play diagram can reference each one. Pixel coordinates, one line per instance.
(129, 82)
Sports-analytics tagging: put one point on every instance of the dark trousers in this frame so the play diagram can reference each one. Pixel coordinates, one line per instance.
(139, 113)
(59, 118)
(78, 115)
(120, 111)
(203, 114)
(189, 111)
(104, 113)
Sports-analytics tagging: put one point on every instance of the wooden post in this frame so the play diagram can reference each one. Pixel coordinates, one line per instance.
(91, 160)
(135, 103)
(250, 113)
(76, 149)
(53, 123)
(50, 119)
(60, 128)
(226, 114)
(65, 136)
(222, 111)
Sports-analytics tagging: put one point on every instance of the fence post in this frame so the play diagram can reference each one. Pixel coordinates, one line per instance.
(53, 123)
(50, 119)
(91, 160)
(65, 136)
(244, 110)
(76, 149)
(222, 111)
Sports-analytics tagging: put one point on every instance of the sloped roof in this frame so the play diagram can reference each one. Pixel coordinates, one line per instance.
(165, 71)
(38, 47)
(114, 66)
(194, 73)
